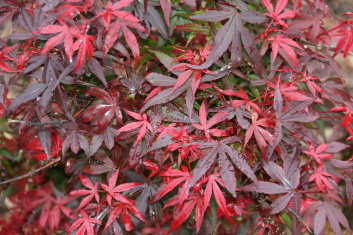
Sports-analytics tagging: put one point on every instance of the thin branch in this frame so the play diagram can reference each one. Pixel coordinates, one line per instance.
(214, 232)
(301, 220)
(36, 123)
(31, 173)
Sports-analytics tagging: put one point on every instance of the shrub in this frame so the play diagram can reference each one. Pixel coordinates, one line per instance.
(155, 117)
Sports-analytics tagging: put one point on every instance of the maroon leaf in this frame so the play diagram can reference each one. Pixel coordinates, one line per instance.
(264, 187)
(30, 93)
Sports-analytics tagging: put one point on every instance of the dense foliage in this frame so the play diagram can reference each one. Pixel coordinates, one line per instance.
(154, 117)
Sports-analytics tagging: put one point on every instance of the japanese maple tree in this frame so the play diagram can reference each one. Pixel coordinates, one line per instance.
(174, 117)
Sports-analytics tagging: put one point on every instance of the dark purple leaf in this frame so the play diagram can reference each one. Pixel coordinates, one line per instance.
(203, 165)
(157, 79)
(30, 93)
(349, 190)
(35, 62)
(341, 164)
(213, 16)
(264, 187)
(278, 101)
(164, 96)
(239, 161)
(280, 203)
(45, 139)
(227, 172)
(277, 173)
(97, 69)
(253, 17)
(320, 220)
(221, 44)
(335, 147)
(96, 169)
(96, 142)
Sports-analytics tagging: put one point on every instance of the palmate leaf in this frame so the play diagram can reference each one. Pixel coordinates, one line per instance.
(102, 114)
(212, 186)
(64, 35)
(114, 191)
(217, 150)
(92, 193)
(84, 45)
(206, 125)
(275, 13)
(124, 209)
(142, 123)
(166, 188)
(84, 224)
(3, 56)
(281, 43)
(295, 112)
(262, 136)
(30, 93)
(334, 216)
(76, 141)
(123, 20)
(229, 35)
(288, 185)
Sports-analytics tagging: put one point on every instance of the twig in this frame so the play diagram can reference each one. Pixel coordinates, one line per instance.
(31, 173)
(301, 220)
(36, 123)
(214, 232)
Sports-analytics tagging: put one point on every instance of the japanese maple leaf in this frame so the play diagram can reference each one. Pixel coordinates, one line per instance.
(288, 179)
(3, 56)
(231, 34)
(110, 10)
(296, 112)
(85, 48)
(91, 193)
(114, 191)
(163, 130)
(244, 99)
(317, 153)
(329, 211)
(123, 19)
(142, 122)
(59, 207)
(64, 34)
(310, 82)
(86, 224)
(102, 114)
(275, 14)
(280, 42)
(76, 141)
(262, 136)
(70, 11)
(52, 207)
(166, 6)
(178, 178)
(346, 37)
(205, 125)
(320, 179)
(182, 137)
(193, 58)
(39, 153)
(124, 209)
(212, 186)
(219, 151)
(151, 166)
(181, 214)
(290, 91)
